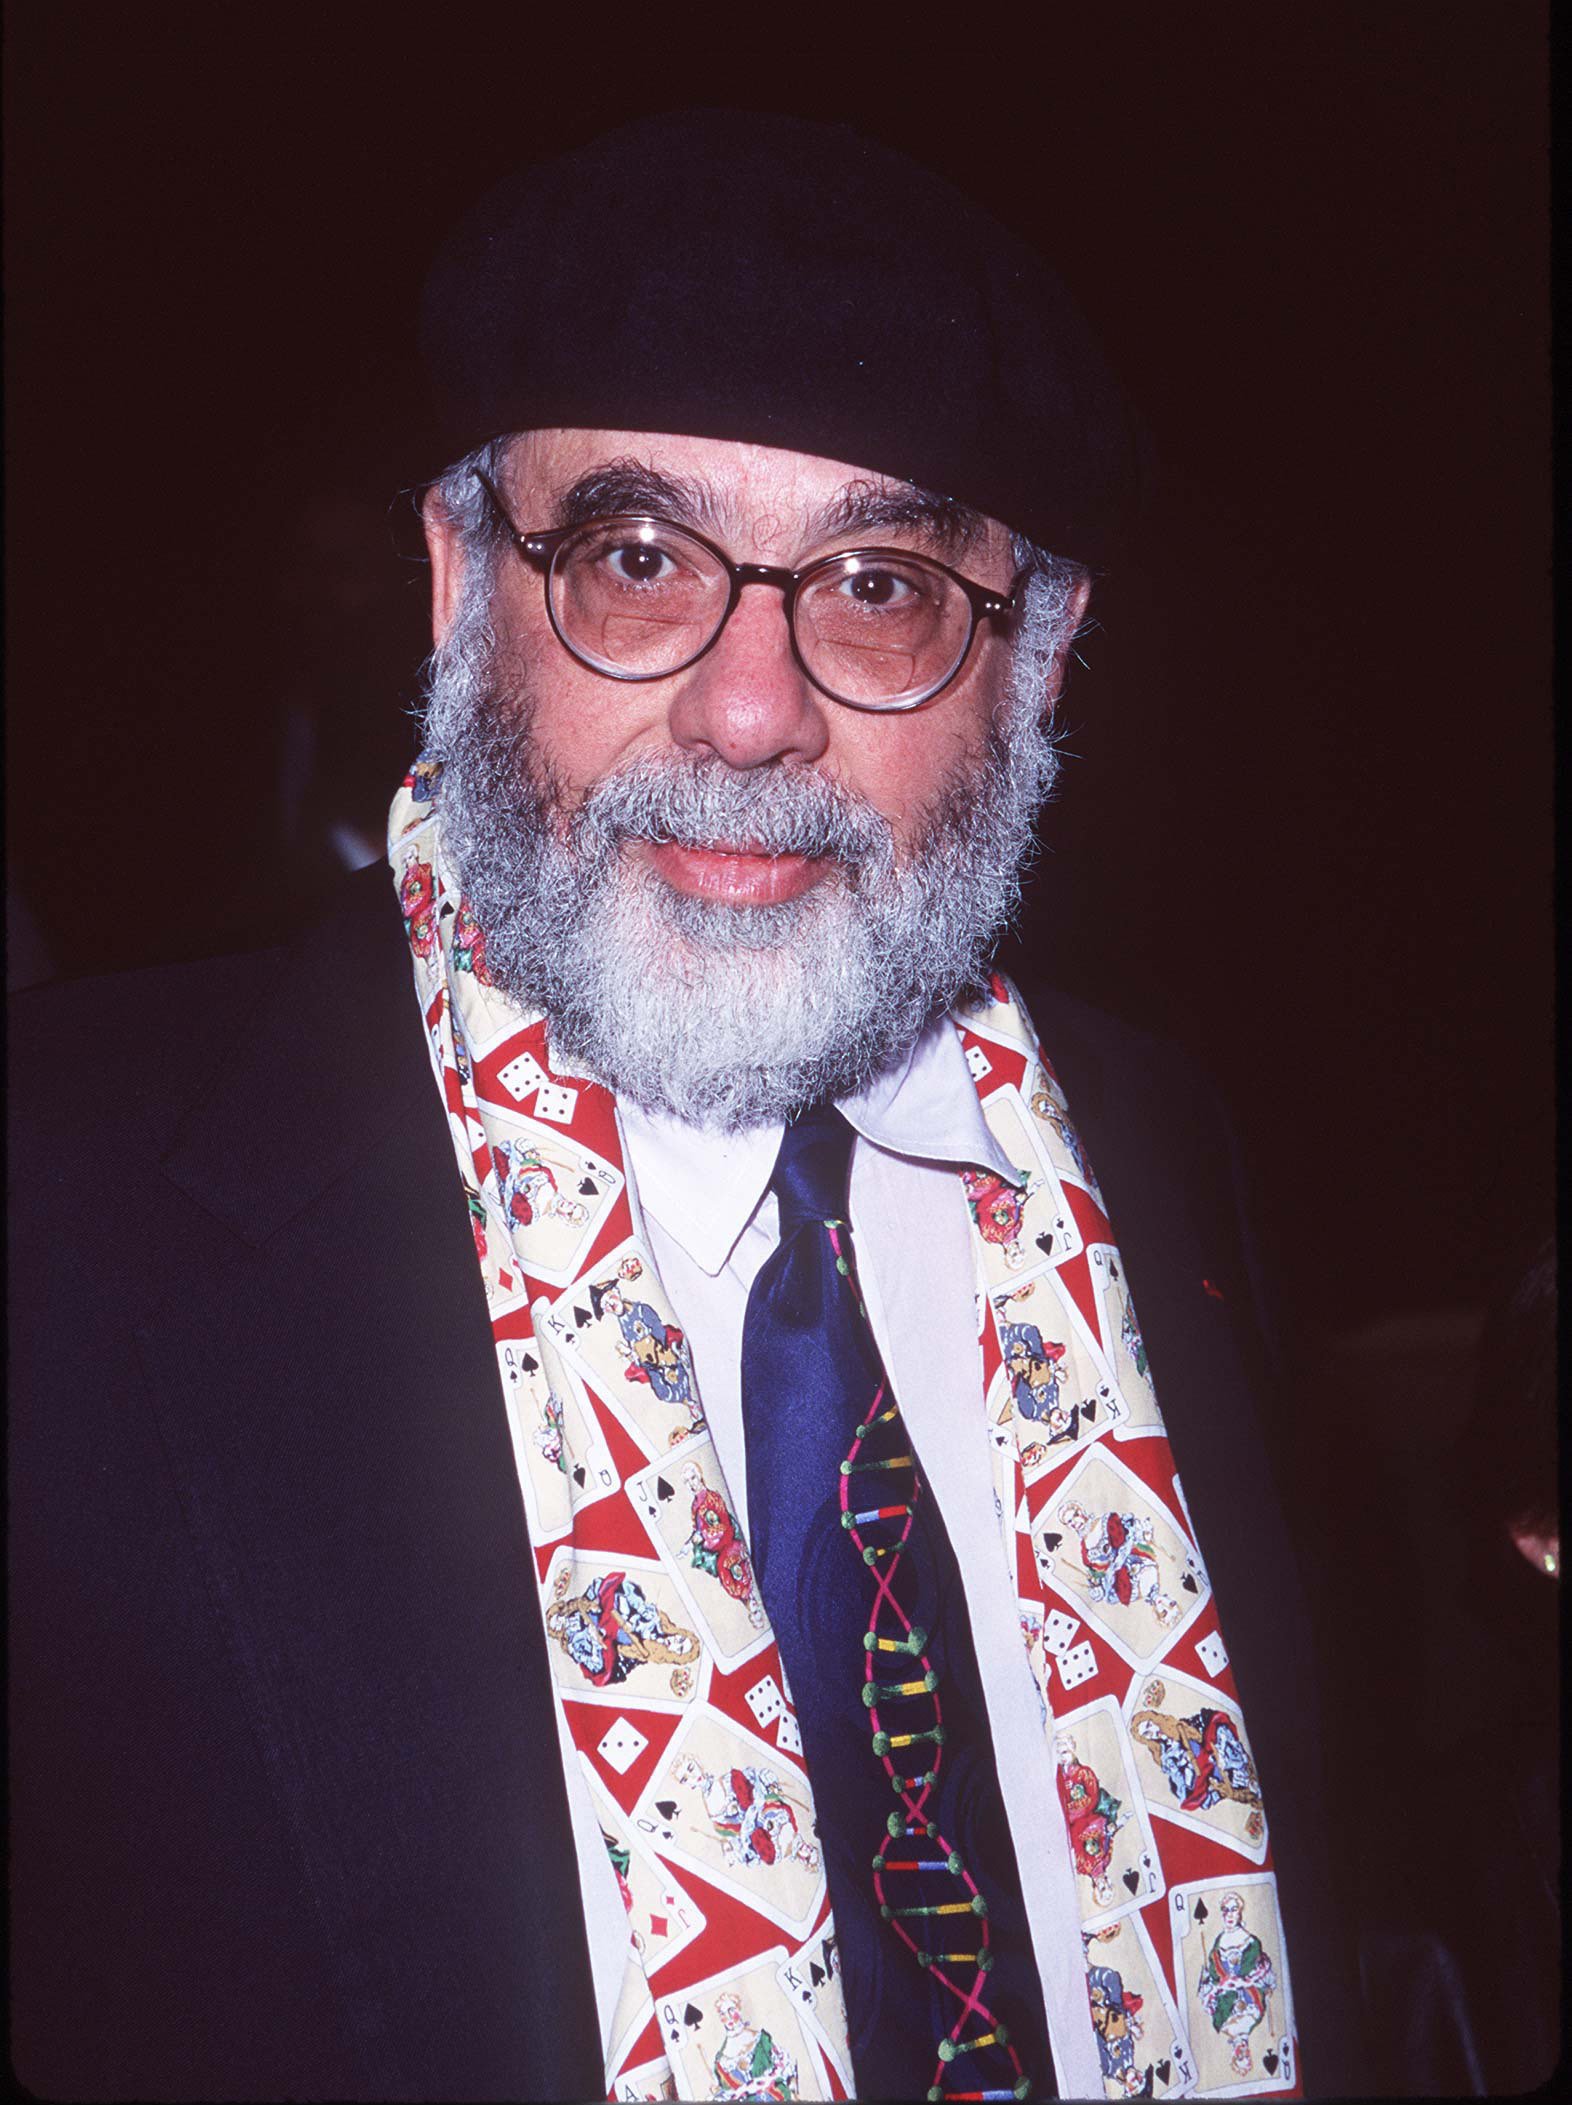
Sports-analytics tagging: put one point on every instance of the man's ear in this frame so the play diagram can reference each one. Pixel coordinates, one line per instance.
(445, 548)
(1074, 616)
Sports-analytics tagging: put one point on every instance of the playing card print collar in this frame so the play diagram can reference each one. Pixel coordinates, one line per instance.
(664, 1666)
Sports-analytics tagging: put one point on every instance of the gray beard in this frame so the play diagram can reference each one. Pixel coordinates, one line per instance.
(727, 1017)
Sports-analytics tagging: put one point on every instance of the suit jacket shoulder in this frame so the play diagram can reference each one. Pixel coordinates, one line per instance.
(287, 1813)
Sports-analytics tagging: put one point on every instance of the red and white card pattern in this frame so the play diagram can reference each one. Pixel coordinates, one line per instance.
(669, 1678)
(1168, 1831)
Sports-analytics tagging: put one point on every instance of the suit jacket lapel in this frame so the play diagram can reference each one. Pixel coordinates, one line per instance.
(328, 1392)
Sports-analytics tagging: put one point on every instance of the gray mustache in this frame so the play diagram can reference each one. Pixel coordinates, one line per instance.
(702, 802)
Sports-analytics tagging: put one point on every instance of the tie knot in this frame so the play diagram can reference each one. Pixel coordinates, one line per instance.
(813, 1169)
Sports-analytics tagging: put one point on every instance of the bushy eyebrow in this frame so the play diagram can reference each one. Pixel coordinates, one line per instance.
(627, 485)
(873, 507)
(863, 507)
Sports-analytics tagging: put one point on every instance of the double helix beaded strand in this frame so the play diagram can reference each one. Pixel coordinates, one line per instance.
(915, 1860)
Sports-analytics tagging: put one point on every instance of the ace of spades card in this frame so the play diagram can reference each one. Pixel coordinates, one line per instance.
(736, 1810)
(618, 1329)
(688, 1512)
(1234, 1995)
(1112, 1847)
(1123, 1344)
(1046, 1232)
(1121, 1559)
(1193, 1761)
(811, 1981)
(563, 1460)
(738, 2035)
(1133, 2014)
(553, 1194)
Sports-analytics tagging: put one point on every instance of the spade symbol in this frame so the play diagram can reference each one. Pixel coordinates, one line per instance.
(1188, 1583)
(663, 1490)
(580, 1315)
(1045, 1243)
(1270, 2058)
(691, 2017)
(1201, 1911)
(1132, 1879)
(589, 1188)
(1089, 1408)
(447, 908)
(1164, 2069)
(530, 1364)
(1113, 1269)
(578, 1475)
(667, 1808)
(816, 1974)
(1051, 1542)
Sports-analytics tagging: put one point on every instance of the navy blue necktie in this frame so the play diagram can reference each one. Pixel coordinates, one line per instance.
(862, 1590)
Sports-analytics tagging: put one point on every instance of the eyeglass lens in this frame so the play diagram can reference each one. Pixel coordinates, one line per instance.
(643, 599)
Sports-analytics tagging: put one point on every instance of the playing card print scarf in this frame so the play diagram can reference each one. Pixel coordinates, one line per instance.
(664, 1666)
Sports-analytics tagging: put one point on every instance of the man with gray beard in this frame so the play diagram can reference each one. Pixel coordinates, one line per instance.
(569, 1341)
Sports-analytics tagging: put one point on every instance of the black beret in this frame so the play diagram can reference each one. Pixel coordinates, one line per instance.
(769, 279)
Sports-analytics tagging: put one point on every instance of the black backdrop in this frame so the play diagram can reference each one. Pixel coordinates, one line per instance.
(1307, 830)
(1307, 826)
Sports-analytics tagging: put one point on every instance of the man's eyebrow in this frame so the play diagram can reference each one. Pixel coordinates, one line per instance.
(862, 507)
(617, 486)
(873, 507)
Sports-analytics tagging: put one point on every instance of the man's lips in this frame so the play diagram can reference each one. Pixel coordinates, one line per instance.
(740, 875)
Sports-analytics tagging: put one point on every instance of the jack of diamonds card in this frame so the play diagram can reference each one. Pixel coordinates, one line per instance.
(1141, 2046)
(663, 1916)
(688, 1513)
(619, 1331)
(1232, 1975)
(1109, 1545)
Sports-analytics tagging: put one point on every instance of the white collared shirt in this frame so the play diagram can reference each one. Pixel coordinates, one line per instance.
(710, 1221)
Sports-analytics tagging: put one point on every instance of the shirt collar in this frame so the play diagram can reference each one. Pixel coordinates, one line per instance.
(705, 1187)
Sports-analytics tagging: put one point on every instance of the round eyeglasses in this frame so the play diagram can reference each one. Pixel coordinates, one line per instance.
(636, 598)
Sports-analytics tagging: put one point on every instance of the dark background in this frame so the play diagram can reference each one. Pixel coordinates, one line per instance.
(1307, 828)
(1308, 831)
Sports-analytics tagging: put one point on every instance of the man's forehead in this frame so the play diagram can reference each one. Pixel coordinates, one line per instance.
(742, 492)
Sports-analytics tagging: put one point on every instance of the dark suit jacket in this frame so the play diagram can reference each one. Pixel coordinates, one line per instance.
(287, 1811)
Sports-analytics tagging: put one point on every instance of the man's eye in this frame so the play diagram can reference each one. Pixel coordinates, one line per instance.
(877, 588)
(637, 563)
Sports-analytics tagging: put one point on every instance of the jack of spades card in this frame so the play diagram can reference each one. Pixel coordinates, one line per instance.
(552, 1193)
(686, 1509)
(1111, 1844)
(1120, 1558)
(736, 1811)
(621, 1335)
(1141, 2047)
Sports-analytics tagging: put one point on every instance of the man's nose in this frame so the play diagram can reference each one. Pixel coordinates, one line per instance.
(748, 699)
